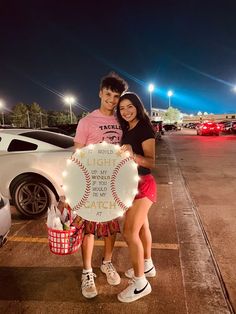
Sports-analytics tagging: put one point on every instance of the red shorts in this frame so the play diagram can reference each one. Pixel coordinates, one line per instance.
(147, 188)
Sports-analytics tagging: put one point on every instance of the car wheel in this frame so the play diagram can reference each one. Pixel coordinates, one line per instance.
(31, 197)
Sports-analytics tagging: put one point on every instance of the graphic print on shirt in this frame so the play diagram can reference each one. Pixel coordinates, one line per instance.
(111, 133)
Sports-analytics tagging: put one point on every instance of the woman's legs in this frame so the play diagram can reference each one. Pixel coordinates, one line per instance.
(146, 238)
(135, 218)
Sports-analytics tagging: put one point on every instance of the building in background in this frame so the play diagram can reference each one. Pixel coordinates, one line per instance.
(208, 117)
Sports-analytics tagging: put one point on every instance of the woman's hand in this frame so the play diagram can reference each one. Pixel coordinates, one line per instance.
(127, 148)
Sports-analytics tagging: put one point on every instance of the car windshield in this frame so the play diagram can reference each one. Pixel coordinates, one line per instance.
(51, 138)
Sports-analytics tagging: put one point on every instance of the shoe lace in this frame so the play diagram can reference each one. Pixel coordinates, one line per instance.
(131, 281)
(110, 268)
(88, 280)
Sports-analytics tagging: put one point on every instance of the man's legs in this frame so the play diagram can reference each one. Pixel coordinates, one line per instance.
(109, 243)
(107, 267)
(87, 250)
(88, 286)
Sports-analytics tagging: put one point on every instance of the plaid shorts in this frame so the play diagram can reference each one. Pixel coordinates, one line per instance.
(100, 229)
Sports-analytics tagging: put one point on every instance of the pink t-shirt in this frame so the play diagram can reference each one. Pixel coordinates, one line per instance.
(96, 128)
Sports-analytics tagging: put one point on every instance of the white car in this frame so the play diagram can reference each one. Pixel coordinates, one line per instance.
(31, 166)
(5, 219)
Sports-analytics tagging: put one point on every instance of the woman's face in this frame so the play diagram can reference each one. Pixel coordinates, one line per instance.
(128, 111)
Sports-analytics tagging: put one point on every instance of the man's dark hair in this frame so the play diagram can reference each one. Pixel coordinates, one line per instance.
(113, 82)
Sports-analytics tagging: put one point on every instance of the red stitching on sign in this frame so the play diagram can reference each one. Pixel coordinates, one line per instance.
(113, 177)
(87, 180)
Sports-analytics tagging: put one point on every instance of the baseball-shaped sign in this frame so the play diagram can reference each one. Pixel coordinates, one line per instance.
(100, 182)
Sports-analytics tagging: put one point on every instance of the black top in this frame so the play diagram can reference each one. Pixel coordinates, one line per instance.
(135, 137)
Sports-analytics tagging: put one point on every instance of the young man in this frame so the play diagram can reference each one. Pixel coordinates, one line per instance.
(98, 126)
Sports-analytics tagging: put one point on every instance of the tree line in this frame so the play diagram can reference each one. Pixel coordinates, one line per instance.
(34, 116)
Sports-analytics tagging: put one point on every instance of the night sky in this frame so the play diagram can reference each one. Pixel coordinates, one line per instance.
(51, 48)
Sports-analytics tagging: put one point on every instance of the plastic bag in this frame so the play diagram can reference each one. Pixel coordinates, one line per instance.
(54, 218)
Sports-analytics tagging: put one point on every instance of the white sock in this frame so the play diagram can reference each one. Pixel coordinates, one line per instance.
(148, 263)
(140, 282)
(106, 262)
(85, 271)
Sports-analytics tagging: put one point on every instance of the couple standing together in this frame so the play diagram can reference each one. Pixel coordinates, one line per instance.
(121, 119)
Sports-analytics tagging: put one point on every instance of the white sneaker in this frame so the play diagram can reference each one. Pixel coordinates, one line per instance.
(88, 286)
(113, 278)
(148, 273)
(131, 293)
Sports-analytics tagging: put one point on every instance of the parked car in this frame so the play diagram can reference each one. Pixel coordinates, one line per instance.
(208, 128)
(66, 129)
(70, 129)
(158, 129)
(170, 127)
(221, 124)
(225, 126)
(31, 166)
(233, 127)
(55, 130)
(191, 125)
(5, 219)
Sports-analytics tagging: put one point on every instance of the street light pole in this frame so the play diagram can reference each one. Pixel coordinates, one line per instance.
(41, 120)
(170, 94)
(3, 121)
(70, 101)
(28, 119)
(151, 89)
(70, 114)
(2, 106)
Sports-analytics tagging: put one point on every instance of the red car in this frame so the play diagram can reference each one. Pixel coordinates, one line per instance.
(208, 128)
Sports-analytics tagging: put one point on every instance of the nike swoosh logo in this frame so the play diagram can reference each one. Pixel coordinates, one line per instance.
(149, 270)
(139, 291)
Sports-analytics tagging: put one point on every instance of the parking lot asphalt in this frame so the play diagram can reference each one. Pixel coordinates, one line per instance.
(32, 280)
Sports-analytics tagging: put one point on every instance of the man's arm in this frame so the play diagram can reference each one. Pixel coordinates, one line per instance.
(78, 145)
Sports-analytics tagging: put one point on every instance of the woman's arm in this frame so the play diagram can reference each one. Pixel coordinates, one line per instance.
(148, 160)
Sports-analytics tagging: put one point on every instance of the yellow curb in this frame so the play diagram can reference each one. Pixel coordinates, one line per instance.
(158, 246)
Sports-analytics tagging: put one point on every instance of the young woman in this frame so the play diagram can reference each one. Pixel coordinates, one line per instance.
(139, 139)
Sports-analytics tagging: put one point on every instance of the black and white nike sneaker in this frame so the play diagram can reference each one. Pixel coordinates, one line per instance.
(132, 293)
(151, 272)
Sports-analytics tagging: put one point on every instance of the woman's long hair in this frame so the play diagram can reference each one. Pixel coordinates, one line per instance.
(141, 112)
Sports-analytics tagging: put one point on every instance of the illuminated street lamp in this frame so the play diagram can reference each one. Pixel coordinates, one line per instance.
(70, 100)
(150, 89)
(1, 107)
(170, 94)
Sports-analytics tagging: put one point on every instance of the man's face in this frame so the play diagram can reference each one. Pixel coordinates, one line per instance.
(109, 99)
